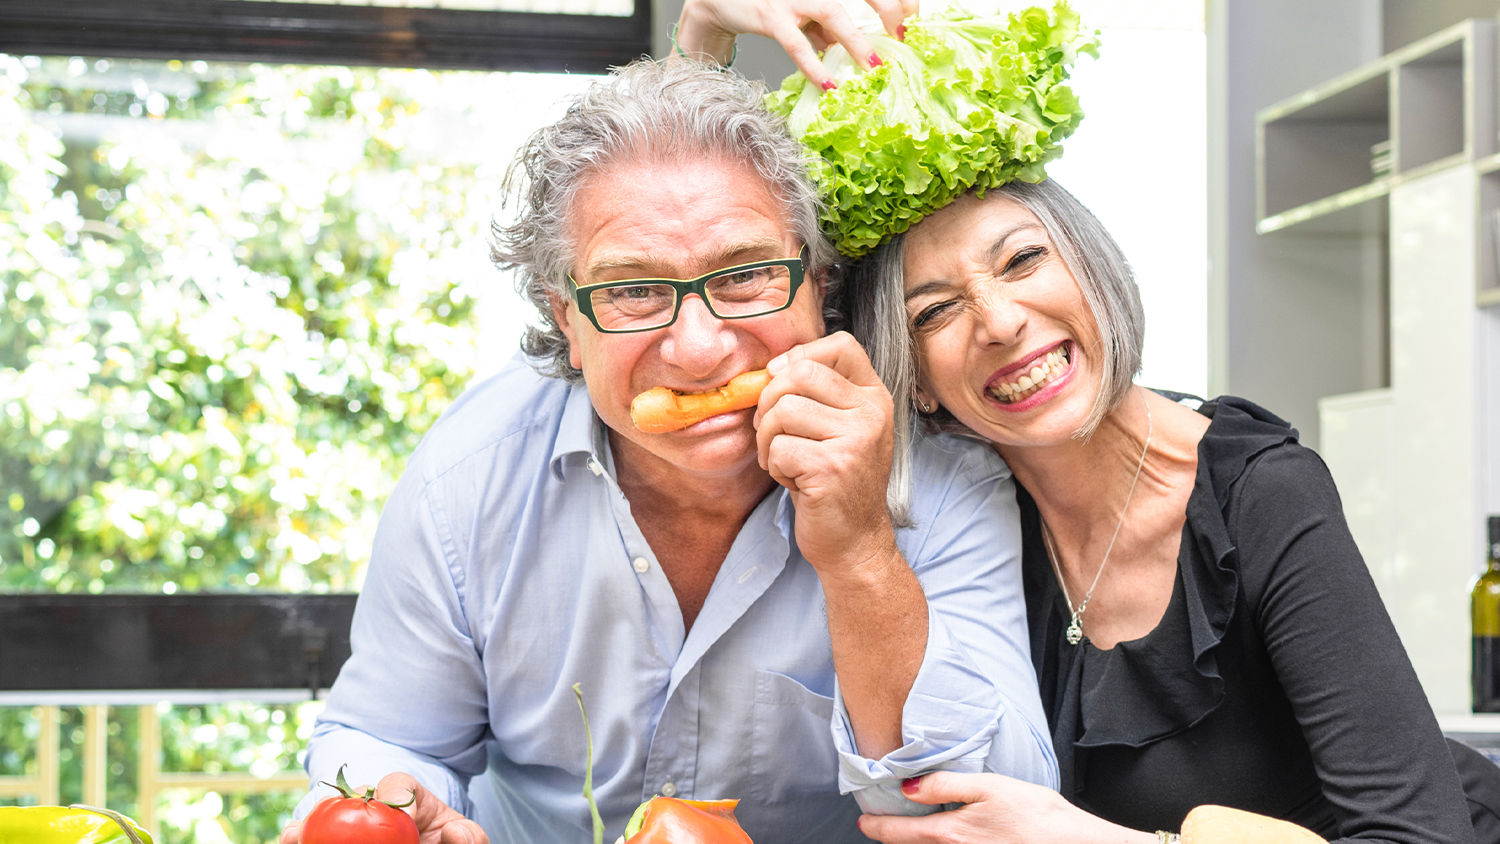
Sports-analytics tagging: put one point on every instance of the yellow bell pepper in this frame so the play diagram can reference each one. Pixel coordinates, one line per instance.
(72, 825)
(1223, 825)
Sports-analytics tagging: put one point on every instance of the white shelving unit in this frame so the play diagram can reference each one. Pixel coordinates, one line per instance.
(1389, 176)
(1347, 142)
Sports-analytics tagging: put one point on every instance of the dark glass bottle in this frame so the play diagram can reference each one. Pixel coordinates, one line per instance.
(1486, 614)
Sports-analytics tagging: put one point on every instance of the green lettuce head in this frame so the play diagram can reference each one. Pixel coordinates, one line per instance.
(964, 102)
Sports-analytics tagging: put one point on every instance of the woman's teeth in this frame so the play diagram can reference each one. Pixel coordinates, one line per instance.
(1043, 371)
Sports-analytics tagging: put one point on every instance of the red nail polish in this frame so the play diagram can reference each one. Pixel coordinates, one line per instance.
(900, 32)
(910, 785)
(829, 84)
(875, 60)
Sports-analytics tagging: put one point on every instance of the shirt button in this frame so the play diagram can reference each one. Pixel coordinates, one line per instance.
(595, 467)
(668, 789)
(641, 565)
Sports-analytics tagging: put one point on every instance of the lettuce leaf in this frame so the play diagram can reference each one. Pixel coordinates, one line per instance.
(964, 102)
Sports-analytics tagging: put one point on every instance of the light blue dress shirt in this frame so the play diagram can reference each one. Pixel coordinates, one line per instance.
(507, 567)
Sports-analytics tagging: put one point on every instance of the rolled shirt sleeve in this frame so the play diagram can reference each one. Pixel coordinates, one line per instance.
(974, 704)
(414, 677)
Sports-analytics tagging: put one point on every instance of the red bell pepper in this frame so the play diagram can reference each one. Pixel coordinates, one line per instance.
(667, 820)
(664, 820)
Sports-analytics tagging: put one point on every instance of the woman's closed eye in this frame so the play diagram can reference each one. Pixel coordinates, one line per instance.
(1024, 259)
(930, 315)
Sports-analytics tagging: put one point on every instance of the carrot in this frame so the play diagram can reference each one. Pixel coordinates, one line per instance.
(660, 410)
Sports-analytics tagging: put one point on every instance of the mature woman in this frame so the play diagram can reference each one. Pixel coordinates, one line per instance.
(1202, 625)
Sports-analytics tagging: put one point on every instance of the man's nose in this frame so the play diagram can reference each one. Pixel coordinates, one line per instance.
(698, 341)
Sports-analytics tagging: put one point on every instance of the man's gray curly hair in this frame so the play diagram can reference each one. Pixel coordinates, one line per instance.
(647, 111)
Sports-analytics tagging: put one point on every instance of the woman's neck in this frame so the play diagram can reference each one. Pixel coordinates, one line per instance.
(1081, 486)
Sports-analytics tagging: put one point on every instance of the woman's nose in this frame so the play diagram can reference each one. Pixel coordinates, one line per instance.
(697, 342)
(998, 319)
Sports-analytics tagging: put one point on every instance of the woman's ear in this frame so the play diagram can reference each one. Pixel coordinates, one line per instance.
(924, 400)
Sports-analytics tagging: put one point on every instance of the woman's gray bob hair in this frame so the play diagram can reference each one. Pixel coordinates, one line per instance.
(874, 298)
(645, 112)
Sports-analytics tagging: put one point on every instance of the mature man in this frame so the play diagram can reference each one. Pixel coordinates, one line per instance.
(743, 617)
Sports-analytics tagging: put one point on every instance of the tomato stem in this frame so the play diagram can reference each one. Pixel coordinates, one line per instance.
(346, 790)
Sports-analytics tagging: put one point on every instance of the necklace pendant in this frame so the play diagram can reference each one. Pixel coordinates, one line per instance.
(1075, 631)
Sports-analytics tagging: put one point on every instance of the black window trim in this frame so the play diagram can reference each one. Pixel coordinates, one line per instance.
(313, 33)
(193, 641)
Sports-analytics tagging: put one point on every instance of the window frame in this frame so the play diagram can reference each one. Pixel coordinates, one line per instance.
(313, 33)
(137, 642)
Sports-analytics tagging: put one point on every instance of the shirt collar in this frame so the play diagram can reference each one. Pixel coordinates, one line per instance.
(580, 434)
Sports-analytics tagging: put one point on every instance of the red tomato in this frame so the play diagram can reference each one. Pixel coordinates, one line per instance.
(355, 818)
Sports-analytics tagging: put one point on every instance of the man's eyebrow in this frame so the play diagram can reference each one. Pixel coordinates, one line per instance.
(624, 262)
(989, 256)
(767, 246)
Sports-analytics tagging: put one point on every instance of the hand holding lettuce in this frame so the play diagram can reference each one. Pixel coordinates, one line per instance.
(963, 102)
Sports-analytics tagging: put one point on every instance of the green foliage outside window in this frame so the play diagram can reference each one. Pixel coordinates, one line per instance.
(218, 344)
(232, 299)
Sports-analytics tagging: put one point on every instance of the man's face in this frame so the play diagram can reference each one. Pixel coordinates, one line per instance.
(681, 220)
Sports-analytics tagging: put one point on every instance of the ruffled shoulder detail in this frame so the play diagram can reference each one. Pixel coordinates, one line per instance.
(1151, 688)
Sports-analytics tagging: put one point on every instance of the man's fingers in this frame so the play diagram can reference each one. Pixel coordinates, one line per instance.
(400, 787)
(464, 832)
(432, 815)
(812, 380)
(426, 809)
(291, 833)
(791, 457)
(838, 351)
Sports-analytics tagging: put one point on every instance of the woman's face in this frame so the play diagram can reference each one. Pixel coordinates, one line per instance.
(1005, 340)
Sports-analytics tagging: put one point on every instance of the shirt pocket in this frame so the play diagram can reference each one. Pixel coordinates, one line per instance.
(795, 769)
(792, 753)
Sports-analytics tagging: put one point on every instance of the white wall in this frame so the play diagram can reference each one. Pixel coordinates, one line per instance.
(1280, 314)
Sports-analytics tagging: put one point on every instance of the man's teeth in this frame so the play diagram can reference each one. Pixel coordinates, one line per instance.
(1043, 371)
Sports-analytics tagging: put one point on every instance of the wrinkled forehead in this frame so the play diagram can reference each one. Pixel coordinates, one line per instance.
(968, 229)
(676, 218)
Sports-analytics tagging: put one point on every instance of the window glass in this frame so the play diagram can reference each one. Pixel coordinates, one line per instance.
(562, 7)
(234, 298)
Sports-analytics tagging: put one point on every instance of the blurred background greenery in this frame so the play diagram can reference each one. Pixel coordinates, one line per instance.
(232, 299)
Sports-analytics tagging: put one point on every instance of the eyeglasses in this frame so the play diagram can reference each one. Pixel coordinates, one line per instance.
(645, 304)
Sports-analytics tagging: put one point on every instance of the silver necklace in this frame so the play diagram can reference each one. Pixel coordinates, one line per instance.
(1075, 627)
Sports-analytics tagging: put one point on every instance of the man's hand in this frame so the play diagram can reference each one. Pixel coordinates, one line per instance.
(804, 28)
(824, 430)
(437, 823)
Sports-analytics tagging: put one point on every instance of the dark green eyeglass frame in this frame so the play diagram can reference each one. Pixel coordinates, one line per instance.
(699, 285)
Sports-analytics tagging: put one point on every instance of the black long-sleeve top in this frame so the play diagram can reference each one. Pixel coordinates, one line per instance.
(1275, 681)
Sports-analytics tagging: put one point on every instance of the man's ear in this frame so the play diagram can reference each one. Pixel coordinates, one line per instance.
(560, 309)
